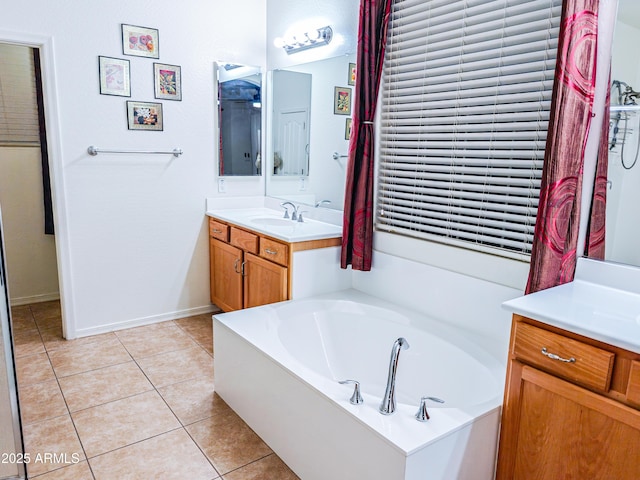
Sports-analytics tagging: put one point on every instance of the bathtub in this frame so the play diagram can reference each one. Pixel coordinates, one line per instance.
(278, 366)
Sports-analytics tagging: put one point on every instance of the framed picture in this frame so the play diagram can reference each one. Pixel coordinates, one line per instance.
(342, 101)
(167, 81)
(347, 129)
(144, 115)
(115, 76)
(352, 74)
(140, 41)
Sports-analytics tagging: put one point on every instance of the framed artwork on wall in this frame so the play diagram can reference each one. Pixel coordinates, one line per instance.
(140, 41)
(347, 129)
(167, 81)
(352, 74)
(342, 101)
(115, 76)
(144, 115)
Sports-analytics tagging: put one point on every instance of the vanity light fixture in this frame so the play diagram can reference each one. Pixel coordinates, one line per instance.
(304, 41)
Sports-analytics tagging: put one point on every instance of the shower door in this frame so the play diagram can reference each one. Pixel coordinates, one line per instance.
(11, 449)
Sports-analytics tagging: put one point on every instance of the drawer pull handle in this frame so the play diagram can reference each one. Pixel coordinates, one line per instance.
(553, 356)
(215, 230)
(270, 252)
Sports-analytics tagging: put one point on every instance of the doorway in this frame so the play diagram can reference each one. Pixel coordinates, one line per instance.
(25, 193)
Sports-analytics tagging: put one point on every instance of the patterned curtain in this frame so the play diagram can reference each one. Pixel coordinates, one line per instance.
(357, 228)
(553, 257)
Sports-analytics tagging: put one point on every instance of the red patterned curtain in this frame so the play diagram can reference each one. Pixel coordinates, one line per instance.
(553, 258)
(357, 228)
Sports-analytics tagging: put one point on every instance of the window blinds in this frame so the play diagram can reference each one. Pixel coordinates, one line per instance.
(18, 101)
(465, 106)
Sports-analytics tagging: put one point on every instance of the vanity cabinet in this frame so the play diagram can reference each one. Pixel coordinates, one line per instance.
(571, 407)
(248, 268)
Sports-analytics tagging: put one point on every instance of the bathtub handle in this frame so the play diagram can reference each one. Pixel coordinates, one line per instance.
(422, 415)
(356, 398)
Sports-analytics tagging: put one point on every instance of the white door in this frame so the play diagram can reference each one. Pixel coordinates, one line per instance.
(10, 439)
(293, 142)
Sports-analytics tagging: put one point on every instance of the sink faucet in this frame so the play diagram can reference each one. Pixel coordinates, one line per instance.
(294, 214)
(322, 202)
(388, 405)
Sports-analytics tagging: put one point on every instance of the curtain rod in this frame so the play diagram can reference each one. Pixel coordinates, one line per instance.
(93, 151)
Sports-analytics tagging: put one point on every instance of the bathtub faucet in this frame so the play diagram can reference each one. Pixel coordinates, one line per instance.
(388, 405)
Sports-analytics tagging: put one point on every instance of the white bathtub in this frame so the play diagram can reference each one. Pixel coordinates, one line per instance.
(278, 367)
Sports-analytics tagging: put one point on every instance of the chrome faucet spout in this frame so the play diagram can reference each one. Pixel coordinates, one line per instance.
(294, 212)
(388, 405)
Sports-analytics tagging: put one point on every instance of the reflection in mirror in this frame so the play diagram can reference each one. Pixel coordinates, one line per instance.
(291, 113)
(328, 66)
(623, 195)
(303, 169)
(239, 119)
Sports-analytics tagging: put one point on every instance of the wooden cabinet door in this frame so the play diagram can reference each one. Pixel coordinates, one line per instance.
(264, 282)
(226, 276)
(554, 430)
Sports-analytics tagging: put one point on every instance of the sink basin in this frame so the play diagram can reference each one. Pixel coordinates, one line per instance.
(274, 222)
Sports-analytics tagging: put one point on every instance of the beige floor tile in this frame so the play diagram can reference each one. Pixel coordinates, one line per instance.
(228, 442)
(41, 401)
(27, 342)
(45, 310)
(154, 339)
(172, 455)
(181, 365)
(79, 471)
(49, 322)
(88, 356)
(192, 400)
(33, 369)
(123, 422)
(53, 340)
(200, 327)
(268, 468)
(89, 389)
(55, 436)
(22, 319)
(21, 311)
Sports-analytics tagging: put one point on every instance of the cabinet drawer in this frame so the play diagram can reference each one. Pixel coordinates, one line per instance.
(564, 357)
(274, 251)
(218, 230)
(633, 388)
(245, 240)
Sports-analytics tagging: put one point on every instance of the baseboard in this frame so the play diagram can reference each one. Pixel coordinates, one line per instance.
(45, 297)
(138, 322)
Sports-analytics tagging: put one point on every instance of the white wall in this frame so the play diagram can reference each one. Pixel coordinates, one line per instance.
(31, 255)
(136, 242)
(623, 198)
(450, 297)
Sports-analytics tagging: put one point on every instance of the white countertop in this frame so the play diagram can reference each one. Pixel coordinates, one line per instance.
(597, 304)
(271, 222)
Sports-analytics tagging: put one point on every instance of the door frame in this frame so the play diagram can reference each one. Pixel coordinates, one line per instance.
(50, 98)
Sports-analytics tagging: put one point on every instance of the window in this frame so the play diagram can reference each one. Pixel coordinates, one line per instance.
(466, 96)
(19, 125)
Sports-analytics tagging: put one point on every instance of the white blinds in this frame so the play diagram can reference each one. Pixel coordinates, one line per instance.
(18, 102)
(465, 106)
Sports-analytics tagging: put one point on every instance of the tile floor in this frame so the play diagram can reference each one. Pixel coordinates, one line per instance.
(133, 404)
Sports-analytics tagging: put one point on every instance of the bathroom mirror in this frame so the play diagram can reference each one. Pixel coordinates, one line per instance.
(302, 131)
(623, 193)
(291, 94)
(306, 134)
(239, 119)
